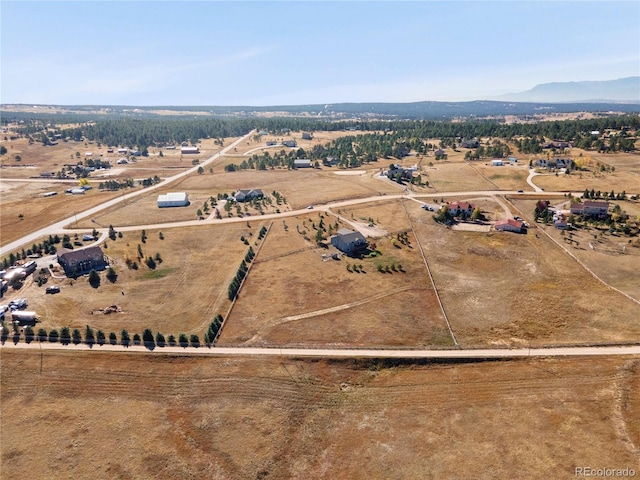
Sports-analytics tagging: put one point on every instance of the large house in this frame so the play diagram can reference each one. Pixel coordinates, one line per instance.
(244, 195)
(290, 143)
(173, 199)
(509, 225)
(457, 208)
(348, 241)
(470, 143)
(591, 209)
(79, 262)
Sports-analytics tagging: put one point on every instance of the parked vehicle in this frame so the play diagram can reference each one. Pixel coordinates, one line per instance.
(24, 317)
(52, 289)
(3, 309)
(18, 304)
(30, 267)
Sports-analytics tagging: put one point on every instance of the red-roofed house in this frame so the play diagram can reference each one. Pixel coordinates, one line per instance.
(509, 225)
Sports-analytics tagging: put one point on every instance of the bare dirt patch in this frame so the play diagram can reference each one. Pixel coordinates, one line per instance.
(119, 416)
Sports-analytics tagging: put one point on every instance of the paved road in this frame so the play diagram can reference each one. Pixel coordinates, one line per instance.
(341, 353)
(58, 227)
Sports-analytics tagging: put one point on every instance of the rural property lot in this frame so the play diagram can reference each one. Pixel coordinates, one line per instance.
(501, 288)
(89, 415)
(299, 187)
(26, 199)
(182, 294)
(613, 258)
(292, 296)
(456, 177)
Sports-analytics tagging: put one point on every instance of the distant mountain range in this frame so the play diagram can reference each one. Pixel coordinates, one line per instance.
(619, 90)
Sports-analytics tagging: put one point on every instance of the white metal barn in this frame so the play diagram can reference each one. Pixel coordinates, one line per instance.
(173, 199)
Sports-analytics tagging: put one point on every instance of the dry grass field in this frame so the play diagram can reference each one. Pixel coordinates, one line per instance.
(37, 159)
(292, 296)
(299, 187)
(26, 198)
(612, 258)
(578, 181)
(506, 177)
(182, 294)
(88, 415)
(457, 177)
(501, 288)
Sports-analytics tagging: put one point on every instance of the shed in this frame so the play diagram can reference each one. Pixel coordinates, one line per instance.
(189, 150)
(302, 163)
(496, 163)
(173, 199)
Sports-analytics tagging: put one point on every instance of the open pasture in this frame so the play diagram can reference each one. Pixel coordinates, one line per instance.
(123, 416)
(501, 288)
(25, 198)
(292, 296)
(456, 177)
(182, 294)
(614, 258)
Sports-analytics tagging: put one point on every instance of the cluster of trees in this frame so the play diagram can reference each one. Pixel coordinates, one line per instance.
(496, 149)
(46, 247)
(542, 212)
(234, 286)
(213, 330)
(148, 182)
(595, 195)
(117, 184)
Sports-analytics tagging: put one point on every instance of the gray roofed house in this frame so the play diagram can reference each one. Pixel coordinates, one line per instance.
(348, 241)
(79, 262)
(244, 195)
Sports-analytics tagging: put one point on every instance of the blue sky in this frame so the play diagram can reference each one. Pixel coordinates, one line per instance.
(275, 53)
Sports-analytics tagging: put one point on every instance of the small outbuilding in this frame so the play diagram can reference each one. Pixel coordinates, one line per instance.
(173, 199)
(302, 163)
(496, 163)
(189, 150)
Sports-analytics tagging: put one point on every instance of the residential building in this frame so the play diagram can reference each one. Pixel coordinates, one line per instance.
(306, 136)
(290, 143)
(509, 225)
(457, 208)
(470, 143)
(244, 195)
(591, 209)
(348, 241)
(79, 262)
